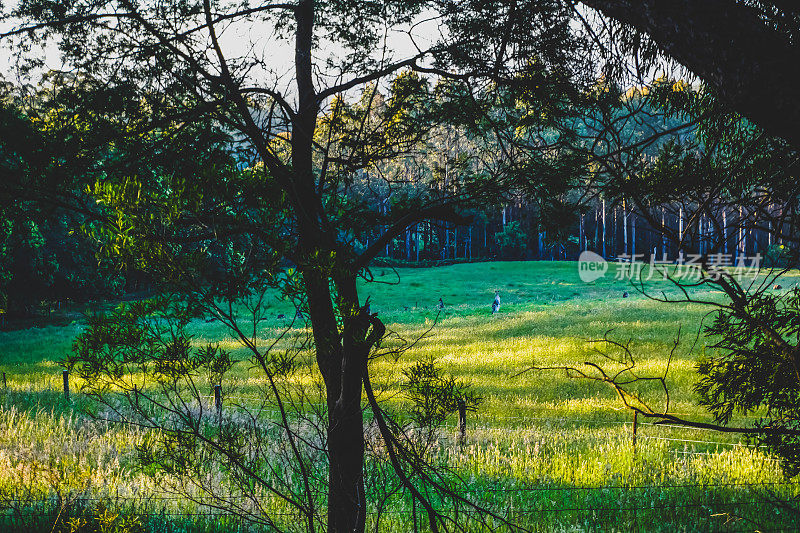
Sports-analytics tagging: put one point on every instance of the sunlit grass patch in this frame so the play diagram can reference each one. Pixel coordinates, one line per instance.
(539, 430)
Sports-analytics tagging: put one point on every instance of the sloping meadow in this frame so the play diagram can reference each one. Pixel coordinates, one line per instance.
(547, 451)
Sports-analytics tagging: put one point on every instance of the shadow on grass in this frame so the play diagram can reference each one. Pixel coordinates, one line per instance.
(691, 508)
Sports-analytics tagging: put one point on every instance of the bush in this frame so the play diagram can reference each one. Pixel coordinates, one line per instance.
(512, 241)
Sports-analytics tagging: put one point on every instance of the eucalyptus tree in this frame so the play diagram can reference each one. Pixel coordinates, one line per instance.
(276, 193)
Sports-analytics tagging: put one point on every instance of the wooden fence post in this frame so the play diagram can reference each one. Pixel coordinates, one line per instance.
(65, 375)
(462, 420)
(414, 512)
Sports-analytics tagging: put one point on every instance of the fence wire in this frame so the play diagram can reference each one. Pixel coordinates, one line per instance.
(507, 493)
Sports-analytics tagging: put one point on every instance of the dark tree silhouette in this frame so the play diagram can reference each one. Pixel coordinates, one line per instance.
(745, 50)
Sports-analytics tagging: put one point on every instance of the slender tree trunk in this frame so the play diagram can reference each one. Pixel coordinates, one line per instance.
(604, 228)
(755, 242)
(385, 210)
(769, 233)
(427, 240)
(701, 234)
(416, 241)
(340, 358)
(741, 246)
(724, 231)
(615, 234)
(446, 254)
(624, 228)
(541, 246)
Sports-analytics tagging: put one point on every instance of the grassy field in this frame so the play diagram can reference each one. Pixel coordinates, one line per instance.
(550, 452)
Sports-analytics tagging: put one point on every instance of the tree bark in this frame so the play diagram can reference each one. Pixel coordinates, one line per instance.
(337, 360)
(347, 499)
(339, 357)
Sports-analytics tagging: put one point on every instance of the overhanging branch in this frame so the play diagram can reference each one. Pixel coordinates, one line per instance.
(399, 226)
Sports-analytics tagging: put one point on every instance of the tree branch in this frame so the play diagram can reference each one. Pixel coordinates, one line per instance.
(403, 223)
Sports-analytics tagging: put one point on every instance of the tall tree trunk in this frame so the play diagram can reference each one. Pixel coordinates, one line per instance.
(541, 246)
(347, 509)
(741, 245)
(724, 231)
(446, 254)
(416, 241)
(385, 210)
(755, 241)
(604, 228)
(338, 358)
(769, 234)
(624, 228)
(346, 498)
(701, 234)
(615, 234)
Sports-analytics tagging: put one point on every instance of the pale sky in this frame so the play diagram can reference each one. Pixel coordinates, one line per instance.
(278, 55)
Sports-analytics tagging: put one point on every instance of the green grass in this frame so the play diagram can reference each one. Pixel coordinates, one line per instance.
(537, 430)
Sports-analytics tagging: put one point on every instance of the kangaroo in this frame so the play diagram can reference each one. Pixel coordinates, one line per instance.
(496, 303)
